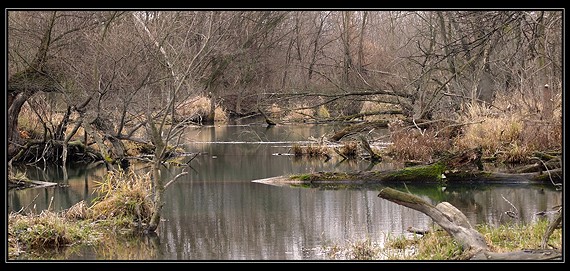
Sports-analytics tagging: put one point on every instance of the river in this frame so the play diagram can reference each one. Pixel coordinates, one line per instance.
(217, 213)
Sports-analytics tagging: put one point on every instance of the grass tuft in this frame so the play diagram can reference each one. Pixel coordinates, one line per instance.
(124, 196)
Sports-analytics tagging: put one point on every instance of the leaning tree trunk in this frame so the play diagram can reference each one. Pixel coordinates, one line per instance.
(456, 224)
(24, 84)
(14, 139)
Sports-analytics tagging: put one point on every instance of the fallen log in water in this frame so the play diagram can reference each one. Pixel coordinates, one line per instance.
(417, 174)
(29, 184)
(464, 167)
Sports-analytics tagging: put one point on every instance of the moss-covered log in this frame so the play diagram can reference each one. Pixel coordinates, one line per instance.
(462, 167)
(435, 173)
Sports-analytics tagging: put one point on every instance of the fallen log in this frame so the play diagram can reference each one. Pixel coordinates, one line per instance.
(358, 128)
(547, 165)
(268, 120)
(464, 167)
(455, 223)
(29, 184)
(418, 174)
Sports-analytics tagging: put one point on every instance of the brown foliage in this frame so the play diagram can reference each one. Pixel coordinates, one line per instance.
(412, 144)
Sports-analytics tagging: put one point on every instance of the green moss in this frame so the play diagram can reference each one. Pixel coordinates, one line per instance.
(108, 159)
(302, 177)
(323, 176)
(429, 173)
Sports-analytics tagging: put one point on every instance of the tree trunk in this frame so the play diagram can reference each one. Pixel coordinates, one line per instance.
(157, 185)
(455, 223)
(158, 188)
(345, 37)
(24, 84)
(555, 223)
(14, 139)
(444, 214)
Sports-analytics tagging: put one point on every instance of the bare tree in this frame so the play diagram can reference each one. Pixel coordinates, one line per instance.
(37, 40)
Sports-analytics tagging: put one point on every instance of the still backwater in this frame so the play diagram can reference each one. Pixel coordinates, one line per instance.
(217, 213)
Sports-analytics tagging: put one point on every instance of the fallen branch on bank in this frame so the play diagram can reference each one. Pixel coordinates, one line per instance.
(455, 223)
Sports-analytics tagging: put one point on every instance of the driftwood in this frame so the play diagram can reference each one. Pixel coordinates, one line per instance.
(357, 128)
(29, 184)
(369, 125)
(456, 224)
(268, 120)
(541, 165)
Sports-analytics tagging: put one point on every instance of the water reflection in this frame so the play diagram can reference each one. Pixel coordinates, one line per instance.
(79, 186)
(216, 212)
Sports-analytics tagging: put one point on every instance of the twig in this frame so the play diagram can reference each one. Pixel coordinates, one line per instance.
(24, 208)
(511, 213)
(558, 185)
(176, 178)
(339, 153)
(405, 186)
(420, 129)
(50, 201)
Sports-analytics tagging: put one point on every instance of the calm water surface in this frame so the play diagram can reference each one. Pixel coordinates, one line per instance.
(216, 212)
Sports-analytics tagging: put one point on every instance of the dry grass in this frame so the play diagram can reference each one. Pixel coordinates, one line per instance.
(408, 143)
(489, 131)
(364, 250)
(349, 149)
(299, 115)
(323, 112)
(509, 130)
(313, 150)
(200, 106)
(45, 230)
(370, 107)
(124, 196)
(512, 237)
(123, 203)
(78, 211)
(29, 124)
(512, 130)
(438, 245)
